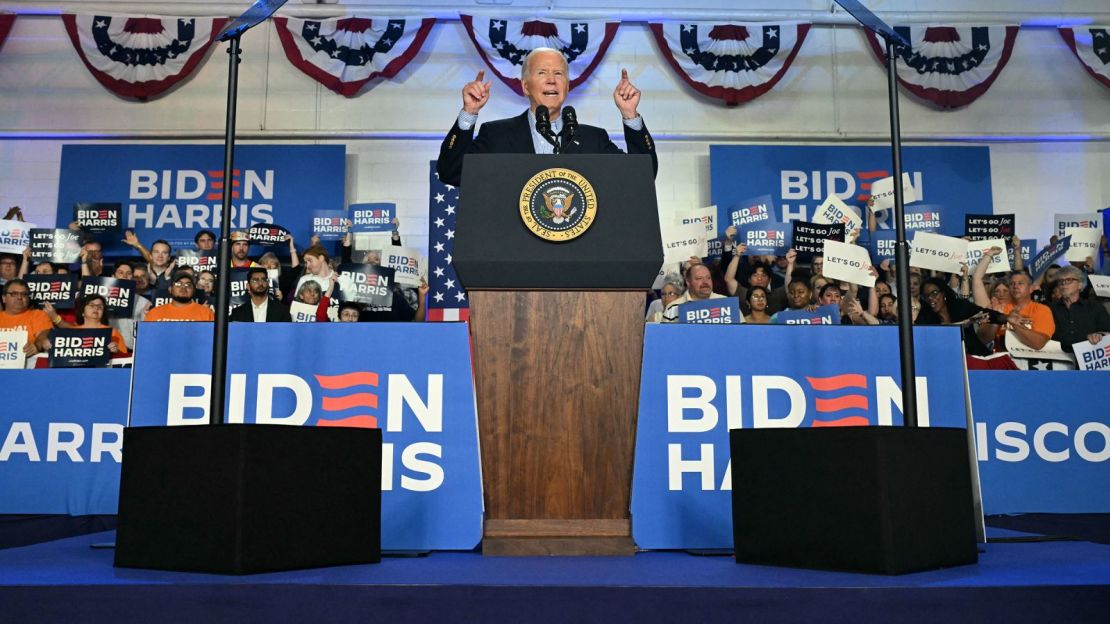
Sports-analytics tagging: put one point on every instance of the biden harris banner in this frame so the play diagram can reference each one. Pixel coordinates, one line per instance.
(802, 177)
(174, 191)
(289, 373)
(681, 486)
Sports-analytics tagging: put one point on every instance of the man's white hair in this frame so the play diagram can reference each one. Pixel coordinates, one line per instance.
(528, 58)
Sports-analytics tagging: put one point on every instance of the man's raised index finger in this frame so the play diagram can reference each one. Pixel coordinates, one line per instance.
(481, 75)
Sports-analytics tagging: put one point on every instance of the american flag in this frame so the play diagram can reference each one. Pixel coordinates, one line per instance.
(447, 300)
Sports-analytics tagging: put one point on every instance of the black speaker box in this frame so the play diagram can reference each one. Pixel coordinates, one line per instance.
(241, 499)
(887, 500)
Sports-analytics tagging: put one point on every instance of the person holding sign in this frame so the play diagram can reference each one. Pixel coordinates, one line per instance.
(699, 286)
(182, 307)
(545, 80)
(18, 314)
(1076, 318)
(1031, 322)
(261, 308)
(944, 307)
(90, 315)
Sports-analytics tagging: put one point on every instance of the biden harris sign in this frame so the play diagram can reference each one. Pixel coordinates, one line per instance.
(174, 191)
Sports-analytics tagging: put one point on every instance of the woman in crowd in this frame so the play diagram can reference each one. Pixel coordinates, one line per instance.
(758, 297)
(944, 307)
(673, 287)
(888, 309)
(309, 292)
(91, 310)
(206, 282)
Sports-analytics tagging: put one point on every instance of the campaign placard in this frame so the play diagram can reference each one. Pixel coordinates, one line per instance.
(847, 263)
(12, 342)
(198, 260)
(372, 217)
(366, 283)
(302, 312)
(1093, 357)
(14, 236)
(764, 238)
(98, 217)
(823, 315)
(405, 263)
(57, 290)
(752, 210)
(937, 252)
(1063, 221)
(983, 226)
(883, 192)
(682, 242)
(706, 216)
(925, 217)
(1052, 350)
(809, 238)
(55, 245)
(1028, 248)
(80, 348)
(1084, 243)
(119, 293)
(267, 235)
(883, 244)
(975, 249)
(714, 248)
(834, 210)
(1101, 284)
(329, 225)
(716, 311)
(1048, 257)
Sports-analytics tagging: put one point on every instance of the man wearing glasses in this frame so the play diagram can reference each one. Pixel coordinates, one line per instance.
(182, 307)
(18, 314)
(261, 308)
(1077, 319)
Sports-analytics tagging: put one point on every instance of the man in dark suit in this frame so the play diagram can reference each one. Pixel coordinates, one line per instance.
(545, 79)
(261, 308)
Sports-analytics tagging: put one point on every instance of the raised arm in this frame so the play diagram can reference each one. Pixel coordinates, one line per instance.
(978, 290)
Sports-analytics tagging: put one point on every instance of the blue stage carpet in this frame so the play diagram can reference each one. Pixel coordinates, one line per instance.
(68, 581)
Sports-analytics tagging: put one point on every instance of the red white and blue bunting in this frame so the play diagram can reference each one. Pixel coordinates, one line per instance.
(141, 57)
(949, 66)
(732, 62)
(6, 21)
(503, 44)
(1091, 45)
(344, 54)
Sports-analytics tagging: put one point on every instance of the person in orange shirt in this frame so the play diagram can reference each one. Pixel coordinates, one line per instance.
(1031, 322)
(182, 308)
(90, 315)
(18, 314)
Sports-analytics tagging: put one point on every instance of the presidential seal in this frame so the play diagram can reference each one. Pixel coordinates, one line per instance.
(558, 205)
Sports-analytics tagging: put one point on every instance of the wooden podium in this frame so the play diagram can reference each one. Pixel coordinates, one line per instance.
(557, 330)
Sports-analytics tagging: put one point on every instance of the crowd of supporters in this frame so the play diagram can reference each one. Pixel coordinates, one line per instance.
(1059, 305)
(170, 287)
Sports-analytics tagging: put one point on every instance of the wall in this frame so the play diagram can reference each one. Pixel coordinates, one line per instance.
(1046, 121)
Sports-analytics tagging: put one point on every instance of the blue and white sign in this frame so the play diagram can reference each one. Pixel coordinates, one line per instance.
(765, 238)
(329, 225)
(823, 315)
(413, 382)
(926, 217)
(715, 311)
(694, 389)
(955, 177)
(373, 217)
(174, 191)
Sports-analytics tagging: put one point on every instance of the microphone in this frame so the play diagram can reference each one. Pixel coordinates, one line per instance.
(543, 126)
(570, 122)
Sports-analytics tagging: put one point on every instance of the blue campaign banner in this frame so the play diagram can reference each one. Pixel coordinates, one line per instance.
(726, 310)
(801, 177)
(1048, 256)
(174, 191)
(883, 244)
(694, 388)
(823, 315)
(329, 225)
(373, 217)
(1028, 249)
(751, 210)
(924, 217)
(765, 238)
(61, 435)
(412, 380)
(1043, 440)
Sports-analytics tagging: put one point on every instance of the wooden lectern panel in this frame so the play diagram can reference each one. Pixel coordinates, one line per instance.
(557, 378)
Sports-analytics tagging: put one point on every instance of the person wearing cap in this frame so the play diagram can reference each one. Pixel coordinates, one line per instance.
(240, 247)
(181, 307)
